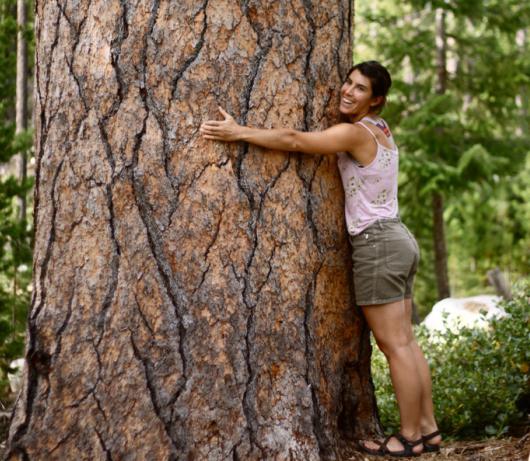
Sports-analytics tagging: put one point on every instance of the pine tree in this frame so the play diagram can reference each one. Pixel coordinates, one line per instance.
(192, 299)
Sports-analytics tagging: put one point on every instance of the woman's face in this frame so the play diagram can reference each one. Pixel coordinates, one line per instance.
(356, 95)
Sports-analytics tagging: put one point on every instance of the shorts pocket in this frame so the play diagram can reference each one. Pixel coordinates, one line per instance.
(365, 257)
(400, 255)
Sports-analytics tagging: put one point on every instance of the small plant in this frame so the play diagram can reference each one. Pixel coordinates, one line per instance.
(479, 375)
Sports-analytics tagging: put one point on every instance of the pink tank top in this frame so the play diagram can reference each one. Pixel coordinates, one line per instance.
(371, 190)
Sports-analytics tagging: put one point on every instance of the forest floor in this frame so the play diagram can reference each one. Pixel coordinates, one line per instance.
(506, 449)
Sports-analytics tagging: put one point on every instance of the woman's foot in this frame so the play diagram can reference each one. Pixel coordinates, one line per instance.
(394, 445)
(432, 441)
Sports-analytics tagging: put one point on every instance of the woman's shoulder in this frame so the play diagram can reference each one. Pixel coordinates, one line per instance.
(354, 129)
(353, 132)
(379, 122)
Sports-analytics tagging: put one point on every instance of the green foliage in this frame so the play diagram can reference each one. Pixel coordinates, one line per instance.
(470, 144)
(15, 276)
(493, 223)
(15, 234)
(478, 375)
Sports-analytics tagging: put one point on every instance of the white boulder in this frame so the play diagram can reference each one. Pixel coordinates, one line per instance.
(455, 313)
(15, 378)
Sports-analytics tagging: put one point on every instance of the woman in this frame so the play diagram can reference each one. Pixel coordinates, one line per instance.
(385, 254)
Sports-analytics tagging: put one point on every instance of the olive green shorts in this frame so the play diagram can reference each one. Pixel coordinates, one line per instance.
(385, 259)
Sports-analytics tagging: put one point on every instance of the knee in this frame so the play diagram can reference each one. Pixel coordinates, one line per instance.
(394, 345)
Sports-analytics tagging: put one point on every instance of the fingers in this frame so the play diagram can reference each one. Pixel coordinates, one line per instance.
(207, 132)
(213, 127)
(218, 130)
(211, 124)
(210, 129)
(226, 115)
(211, 132)
(213, 136)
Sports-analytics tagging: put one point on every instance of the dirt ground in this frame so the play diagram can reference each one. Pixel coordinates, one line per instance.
(508, 449)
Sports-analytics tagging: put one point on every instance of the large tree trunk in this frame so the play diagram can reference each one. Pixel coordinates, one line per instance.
(192, 300)
(21, 100)
(440, 248)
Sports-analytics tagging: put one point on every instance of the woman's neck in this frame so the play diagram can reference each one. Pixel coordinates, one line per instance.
(357, 117)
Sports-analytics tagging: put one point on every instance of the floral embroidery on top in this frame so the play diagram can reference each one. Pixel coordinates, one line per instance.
(354, 186)
(385, 159)
(381, 198)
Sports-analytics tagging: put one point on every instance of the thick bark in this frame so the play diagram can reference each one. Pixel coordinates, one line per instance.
(440, 248)
(21, 100)
(192, 300)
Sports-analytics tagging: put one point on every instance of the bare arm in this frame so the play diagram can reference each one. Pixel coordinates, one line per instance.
(339, 138)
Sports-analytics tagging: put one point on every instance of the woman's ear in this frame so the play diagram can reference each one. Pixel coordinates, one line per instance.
(377, 101)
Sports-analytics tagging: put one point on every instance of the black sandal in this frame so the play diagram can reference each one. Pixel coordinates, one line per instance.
(383, 450)
(430, 447)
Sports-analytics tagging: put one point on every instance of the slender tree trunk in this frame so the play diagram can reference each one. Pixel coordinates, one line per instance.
(21, 100)
(498, 281)
(440, 249)
(523, 100)
(441, 52)
(192, 300)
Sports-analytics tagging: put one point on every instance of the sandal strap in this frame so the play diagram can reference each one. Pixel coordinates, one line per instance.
(383, 444)
(381, 449)
(408, 445)
(431, 435)
(406, 442)
(414, 443)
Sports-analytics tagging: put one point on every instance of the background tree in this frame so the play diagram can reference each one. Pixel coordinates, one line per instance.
(438, 225)
(21, 118)
(191, 299)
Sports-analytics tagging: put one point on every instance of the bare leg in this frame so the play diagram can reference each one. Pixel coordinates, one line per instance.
(428, 422)
(390, 324)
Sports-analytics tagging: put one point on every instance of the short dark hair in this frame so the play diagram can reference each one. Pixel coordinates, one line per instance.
(379, 78)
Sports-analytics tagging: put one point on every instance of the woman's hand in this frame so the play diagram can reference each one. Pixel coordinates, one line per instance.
(221, 130)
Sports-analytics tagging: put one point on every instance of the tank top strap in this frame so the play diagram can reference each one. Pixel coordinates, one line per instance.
(369, 130)
(382, 125)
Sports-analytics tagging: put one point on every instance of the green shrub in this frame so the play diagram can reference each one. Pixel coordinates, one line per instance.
(15, 278)
(478, 374)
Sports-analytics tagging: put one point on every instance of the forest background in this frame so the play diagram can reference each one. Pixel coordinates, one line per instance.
(459, 108)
